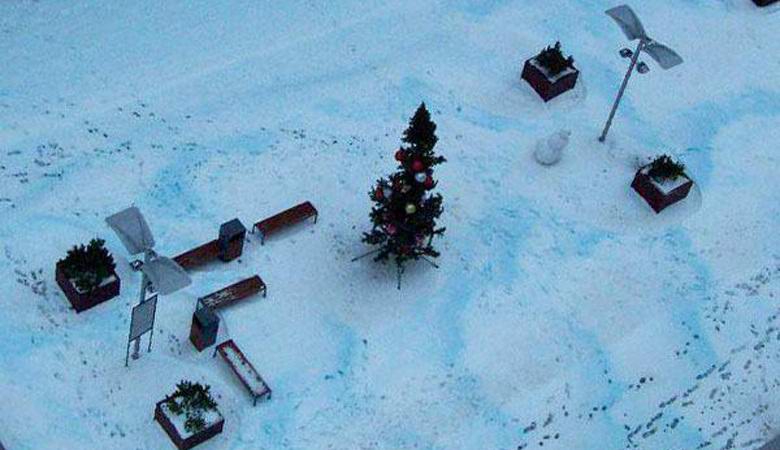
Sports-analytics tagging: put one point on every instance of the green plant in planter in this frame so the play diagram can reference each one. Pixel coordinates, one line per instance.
(192, 400)
(664, 168)
(552, 59)
(88, 265)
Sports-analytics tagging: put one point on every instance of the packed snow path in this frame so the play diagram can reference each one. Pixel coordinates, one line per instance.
(565, 313)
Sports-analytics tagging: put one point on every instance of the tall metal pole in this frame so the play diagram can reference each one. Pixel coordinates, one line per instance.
(634, 59)
(142, 297)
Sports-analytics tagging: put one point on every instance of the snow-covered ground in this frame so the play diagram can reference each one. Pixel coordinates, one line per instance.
(565, 314)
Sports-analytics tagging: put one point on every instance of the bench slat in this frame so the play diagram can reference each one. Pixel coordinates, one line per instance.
(198, 255)
(297, 213)
(235, 292)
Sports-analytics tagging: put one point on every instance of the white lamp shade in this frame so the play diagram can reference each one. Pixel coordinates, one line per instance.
(166, 276)
(663, 55)
(132, 229)
(628, 22)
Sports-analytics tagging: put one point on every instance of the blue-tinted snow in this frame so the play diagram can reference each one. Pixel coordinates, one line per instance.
(565, 315)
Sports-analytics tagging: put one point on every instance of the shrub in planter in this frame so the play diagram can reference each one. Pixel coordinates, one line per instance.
(87, 276)
(549, 73)
(189, 416)
(661, 183)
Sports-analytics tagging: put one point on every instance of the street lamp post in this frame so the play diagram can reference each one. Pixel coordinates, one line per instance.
(163, 274)
(622, 89)
(142, 297)
(633, 29)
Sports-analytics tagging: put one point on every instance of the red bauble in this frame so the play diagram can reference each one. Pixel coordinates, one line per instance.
(399, 155)
(428, 183)
(418, 166)
(378, 194)
(390, 228)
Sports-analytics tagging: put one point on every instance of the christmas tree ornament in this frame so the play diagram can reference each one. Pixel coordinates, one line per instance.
(387, 192)
(399, 155)
(428, 184)
(418, 166)
(391, 229)
(379, 194)
(421, 177)
(410, 208)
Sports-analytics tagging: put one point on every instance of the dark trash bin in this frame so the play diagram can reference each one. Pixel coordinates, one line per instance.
(231, 240)
(205, 326)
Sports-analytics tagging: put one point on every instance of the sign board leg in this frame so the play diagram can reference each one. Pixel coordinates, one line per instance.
(136, 348)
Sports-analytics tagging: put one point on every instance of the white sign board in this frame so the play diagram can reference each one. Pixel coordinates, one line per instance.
(143, 318)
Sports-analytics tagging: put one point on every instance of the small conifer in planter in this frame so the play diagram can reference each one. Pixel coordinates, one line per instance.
(87, 275)
(661, 183)
(664, 168)
(189, 416)
(552, 59)
(550, 73)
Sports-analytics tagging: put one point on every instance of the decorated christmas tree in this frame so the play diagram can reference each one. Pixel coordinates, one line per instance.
(405, 211)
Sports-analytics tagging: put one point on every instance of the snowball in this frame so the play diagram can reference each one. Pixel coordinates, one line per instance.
(549, 151)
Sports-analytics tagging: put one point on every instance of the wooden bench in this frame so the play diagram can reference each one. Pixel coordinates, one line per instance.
(292, 216)
(198, 256)
(244, 370)
(233, 293)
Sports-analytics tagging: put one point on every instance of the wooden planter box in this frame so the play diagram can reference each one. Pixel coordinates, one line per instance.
(84, 300)
(185, 443)
(548, 87)
(764, 2)
(656, 195)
